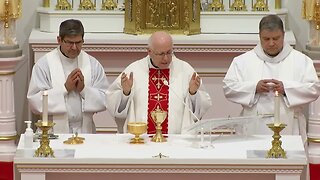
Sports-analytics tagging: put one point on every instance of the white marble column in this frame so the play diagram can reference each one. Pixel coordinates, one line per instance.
(8, 133)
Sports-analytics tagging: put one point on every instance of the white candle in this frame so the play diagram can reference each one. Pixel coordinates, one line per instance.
(45, 107)
(276, 109)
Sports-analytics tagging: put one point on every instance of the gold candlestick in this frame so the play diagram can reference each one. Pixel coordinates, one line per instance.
(277, 4)
(217, 5)
(276, 151)
(64, 5)
(46, 3)
(238, 5)
(260, 5)
(44, 150)
(108, 5)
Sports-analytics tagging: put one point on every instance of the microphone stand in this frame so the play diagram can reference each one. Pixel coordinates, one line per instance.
(202, 144)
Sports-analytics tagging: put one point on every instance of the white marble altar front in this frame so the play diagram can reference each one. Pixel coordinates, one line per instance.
(111, 156)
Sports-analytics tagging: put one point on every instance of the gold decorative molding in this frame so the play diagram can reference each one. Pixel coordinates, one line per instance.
(316, 15)
(6, 73)
(314, 140)
(174, 16)
(63, 5)
(238, 5)
(108, 5)
(277, 4)
(216, 5)
(46, 3)
(87, 5)
(8, 138)
(12, 10)
(260, 5)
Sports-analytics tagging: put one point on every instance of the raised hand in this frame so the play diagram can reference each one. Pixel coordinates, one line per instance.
(194, 84)
(126, 83)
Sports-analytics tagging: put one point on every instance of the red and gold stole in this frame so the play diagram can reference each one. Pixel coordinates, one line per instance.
(158, 97)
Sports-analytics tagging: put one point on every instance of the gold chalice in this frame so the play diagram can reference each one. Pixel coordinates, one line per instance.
(137, 128)
(158, 116)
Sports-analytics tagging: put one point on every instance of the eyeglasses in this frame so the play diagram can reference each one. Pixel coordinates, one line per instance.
(169, 53)
(71, 43)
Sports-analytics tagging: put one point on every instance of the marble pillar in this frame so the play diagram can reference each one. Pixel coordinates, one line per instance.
(10, 58)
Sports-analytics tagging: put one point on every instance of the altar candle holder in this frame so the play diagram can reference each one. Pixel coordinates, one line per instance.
(46, 3)
(217, 5)
(44, 150)
(276, 150)
(277, 4)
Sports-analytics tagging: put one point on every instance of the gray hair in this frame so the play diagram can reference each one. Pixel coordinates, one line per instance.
(271, 22)
(71, 27)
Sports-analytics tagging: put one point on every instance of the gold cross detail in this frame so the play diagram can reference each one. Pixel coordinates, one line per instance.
(158, 97)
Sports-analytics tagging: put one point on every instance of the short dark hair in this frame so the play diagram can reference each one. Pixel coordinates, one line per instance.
(271, 22)
(71, 27)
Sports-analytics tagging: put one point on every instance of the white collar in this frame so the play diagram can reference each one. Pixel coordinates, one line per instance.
(286, 50)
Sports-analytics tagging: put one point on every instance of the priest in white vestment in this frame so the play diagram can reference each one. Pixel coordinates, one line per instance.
(272, 65)
(75, 82)
(159, 81)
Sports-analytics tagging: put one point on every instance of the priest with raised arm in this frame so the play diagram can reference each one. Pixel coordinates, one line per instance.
(273, 65)
(158, 81)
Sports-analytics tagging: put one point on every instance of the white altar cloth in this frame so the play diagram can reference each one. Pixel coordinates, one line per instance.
(112, 153)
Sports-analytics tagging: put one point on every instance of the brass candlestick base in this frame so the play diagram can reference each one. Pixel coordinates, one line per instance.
(108, 5)
(260, 5)
(46, 3)
(158, 117)
(44, 150)
(217, 5)
(75, 139)
(276, 151)
(87, 5)
(238, 5)
(63, 5)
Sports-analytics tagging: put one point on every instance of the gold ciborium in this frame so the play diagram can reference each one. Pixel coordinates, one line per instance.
(137, 128)
(44, 150)
(276, 150)
(158, 116)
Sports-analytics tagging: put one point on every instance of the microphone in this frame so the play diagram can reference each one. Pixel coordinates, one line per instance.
(202, 144)
(165, 82)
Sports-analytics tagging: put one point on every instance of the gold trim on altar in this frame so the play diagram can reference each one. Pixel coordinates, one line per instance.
(175, 16)
(8, 138)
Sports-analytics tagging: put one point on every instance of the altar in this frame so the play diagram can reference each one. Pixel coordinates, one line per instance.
(111, 156)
